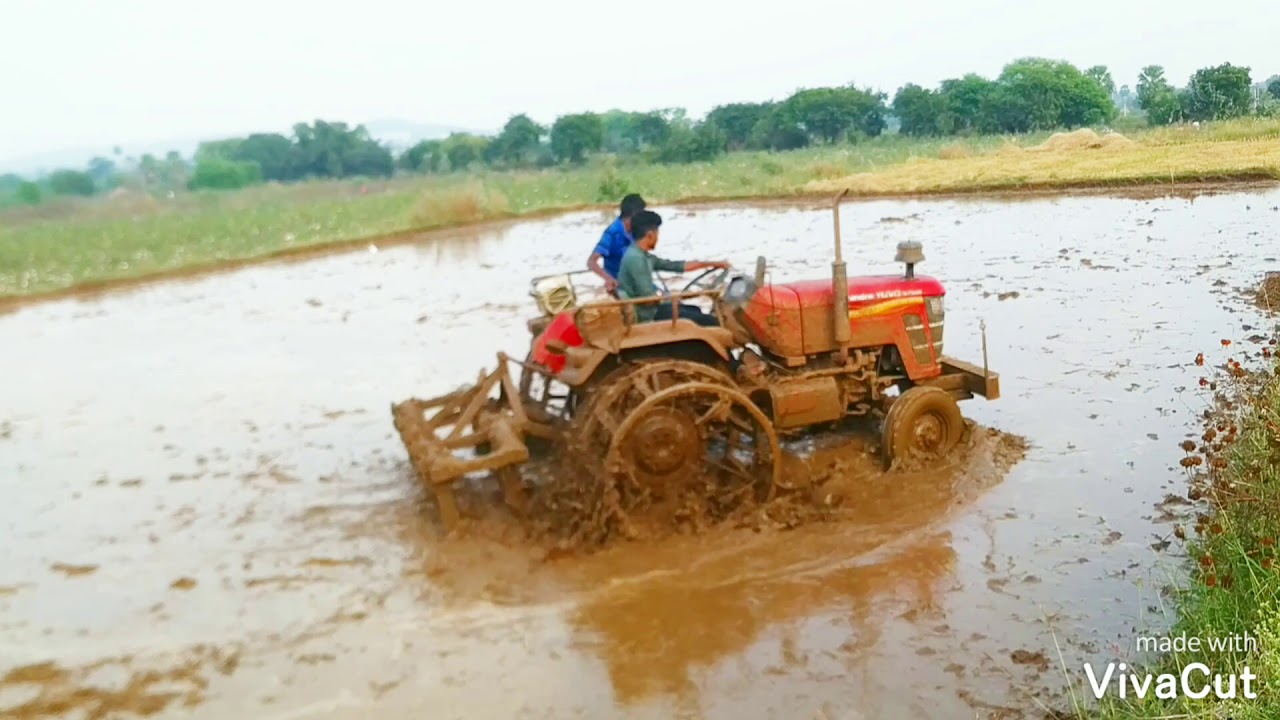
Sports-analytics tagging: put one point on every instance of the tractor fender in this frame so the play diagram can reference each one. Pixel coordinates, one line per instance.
(682, 332)
(580, 363)
(684, 339)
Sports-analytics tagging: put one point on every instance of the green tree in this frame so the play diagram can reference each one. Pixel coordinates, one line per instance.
(1050, 94)
(830, 114)
(1101, 75)
(274, 154)
(368, 159)
(778, 131)
(464, 149)
(28, 193)
(738, 120)
(71, 182)
(1156, 96)
(519, 140)
(425, 156)
(697, 144)
(573, 136)
(1218, 93)
(225, 149)
(333, 149)
(1006, 110)
(1085, 101)
(1273, 86)
(217, 173)
(650, 128)
(619, 132)
(921, 112)
(967, 99)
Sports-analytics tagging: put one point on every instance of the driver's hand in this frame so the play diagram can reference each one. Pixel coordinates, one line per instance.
(723, 265)
(610, 284)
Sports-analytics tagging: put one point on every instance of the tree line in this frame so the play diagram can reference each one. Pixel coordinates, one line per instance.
(1029, 94)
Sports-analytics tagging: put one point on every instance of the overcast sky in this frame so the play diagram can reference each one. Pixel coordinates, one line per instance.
(94, 73)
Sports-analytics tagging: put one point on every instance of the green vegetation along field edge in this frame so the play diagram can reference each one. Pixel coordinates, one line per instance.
(1233, 589)
(46, 250)
(266, 194)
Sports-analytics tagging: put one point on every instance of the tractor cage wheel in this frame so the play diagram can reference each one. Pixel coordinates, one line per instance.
(664, 441)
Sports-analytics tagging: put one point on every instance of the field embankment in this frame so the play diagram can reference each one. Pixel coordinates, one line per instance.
(64, 245)
(1234, 584)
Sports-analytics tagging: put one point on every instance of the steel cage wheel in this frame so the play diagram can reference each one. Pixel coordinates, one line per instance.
(624, 388)
(698, 437)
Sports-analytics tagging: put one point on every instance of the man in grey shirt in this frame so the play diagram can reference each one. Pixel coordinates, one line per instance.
(635, 273)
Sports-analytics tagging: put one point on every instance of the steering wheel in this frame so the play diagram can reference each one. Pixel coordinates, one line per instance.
(701, 283)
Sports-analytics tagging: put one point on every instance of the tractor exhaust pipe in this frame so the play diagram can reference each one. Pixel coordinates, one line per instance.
(840, 289)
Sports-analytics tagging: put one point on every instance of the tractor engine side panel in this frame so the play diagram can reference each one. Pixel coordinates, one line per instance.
(904, 328)
(901, 322)
(773, 317)
(805, 401)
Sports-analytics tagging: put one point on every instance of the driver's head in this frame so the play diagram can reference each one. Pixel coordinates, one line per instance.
(631, 204)
(644, 228)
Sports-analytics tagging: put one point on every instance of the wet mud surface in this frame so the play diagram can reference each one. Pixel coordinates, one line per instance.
(209, 514)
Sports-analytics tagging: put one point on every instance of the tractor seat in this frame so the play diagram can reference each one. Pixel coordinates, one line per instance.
(598, 324)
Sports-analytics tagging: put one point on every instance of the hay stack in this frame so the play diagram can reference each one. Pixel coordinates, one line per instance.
(1083, 139)
(1117, 141)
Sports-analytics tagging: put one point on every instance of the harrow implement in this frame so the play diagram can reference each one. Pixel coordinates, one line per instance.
(470, 431)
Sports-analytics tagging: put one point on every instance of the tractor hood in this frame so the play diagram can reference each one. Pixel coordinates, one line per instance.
(863, 290)
(795, 319)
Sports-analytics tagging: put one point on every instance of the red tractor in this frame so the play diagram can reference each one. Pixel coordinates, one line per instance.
(651, 407)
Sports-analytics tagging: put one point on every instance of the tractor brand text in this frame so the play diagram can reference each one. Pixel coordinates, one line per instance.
(886, 295)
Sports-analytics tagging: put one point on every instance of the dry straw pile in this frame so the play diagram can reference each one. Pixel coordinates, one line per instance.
(1083, 139)
(1082, 158)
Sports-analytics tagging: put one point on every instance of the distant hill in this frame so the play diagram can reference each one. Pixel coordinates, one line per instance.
(78, 158)
(398, 134)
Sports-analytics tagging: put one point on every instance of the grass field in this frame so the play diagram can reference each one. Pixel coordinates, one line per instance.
(66, 244)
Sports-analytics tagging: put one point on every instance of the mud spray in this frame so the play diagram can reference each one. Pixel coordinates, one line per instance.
(828, 477)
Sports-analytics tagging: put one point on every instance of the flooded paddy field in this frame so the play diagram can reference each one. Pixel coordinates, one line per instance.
(208, 514)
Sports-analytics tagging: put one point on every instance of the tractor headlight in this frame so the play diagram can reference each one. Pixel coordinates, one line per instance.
(934, 307)
(740, 290)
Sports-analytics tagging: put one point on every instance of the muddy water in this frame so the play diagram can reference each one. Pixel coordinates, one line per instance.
(207, 515)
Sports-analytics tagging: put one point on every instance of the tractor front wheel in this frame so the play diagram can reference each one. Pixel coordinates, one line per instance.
(923, 423)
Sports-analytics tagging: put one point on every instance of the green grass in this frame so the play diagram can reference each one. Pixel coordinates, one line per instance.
(65, 243)
(1234, 583)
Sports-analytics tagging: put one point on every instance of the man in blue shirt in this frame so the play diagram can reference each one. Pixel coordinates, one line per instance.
(635, 277)
(614, 242)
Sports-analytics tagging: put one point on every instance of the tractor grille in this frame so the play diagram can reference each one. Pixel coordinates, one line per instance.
(925, 353)
(919, 343)
(935, 310)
